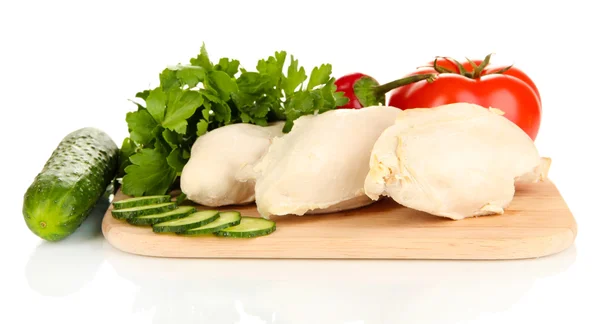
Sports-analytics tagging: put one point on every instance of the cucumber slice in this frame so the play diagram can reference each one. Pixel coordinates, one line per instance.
(225, 220)
(180, 225)
(249, 227)
(176, 213)
(132, 212)
(141, 201)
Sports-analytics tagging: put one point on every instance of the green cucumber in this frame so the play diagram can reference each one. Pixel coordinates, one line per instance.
(191, 221)
(73, 179)
(132, 212)
(141, 201)
(249, 227)
(225, 220)
(176, 213)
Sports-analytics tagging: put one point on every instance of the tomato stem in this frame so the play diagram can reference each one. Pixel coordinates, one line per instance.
(384, 88)
(503, 69)
(473, 65)
(462, 69)
(477, 71)
(441, 69)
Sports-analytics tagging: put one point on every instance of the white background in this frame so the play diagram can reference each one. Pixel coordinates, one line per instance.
(67, 65)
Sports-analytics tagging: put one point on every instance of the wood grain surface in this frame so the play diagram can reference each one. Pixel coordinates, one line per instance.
(537, 223)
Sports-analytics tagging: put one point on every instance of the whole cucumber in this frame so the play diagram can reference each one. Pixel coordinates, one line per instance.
(75, 176)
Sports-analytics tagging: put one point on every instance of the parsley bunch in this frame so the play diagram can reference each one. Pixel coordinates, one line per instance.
(195, 98)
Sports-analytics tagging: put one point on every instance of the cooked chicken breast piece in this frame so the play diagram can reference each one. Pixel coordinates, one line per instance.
(456, 161)
(209, 177)
(320, 166)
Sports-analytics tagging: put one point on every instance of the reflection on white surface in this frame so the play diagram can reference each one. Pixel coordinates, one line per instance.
(63, 268)
(246, 318)
(333, 292)
(289, 291)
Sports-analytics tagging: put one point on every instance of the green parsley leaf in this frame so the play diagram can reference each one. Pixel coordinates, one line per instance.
(259, 109)
(222, 112)
(301, 103)
(141, 124)
(202, 127)
(340, 99)
(160, 144)
(202, 59)
(168, 79)
(222, 83)
(142, 94)
(191, 75)
(294, 78)
(258, 95)
(211, 95)
(363, 88)
(176, 160)
(255, 83)
(172, 138)
(182, 105)
(319, 76)
(206, 111)
(228, 66)
(156, 104)
(327, 101)
(127, 150)
(149, 174)
(245, 118)
(273, 65)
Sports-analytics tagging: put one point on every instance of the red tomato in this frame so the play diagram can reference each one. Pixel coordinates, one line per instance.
(515, 72)
(511, 93)
(450, 65)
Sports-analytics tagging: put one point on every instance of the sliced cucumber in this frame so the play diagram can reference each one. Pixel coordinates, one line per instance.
(191, 221)
(141, 201)
(225, 220)
(132, 212)
(176, 213)
(249, 227)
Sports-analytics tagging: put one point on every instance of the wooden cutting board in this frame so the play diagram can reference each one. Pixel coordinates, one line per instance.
(537, 223)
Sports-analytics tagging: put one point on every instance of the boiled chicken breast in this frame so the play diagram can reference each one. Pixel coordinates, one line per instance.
(320, 166)
(210, 176)
(458, 160)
